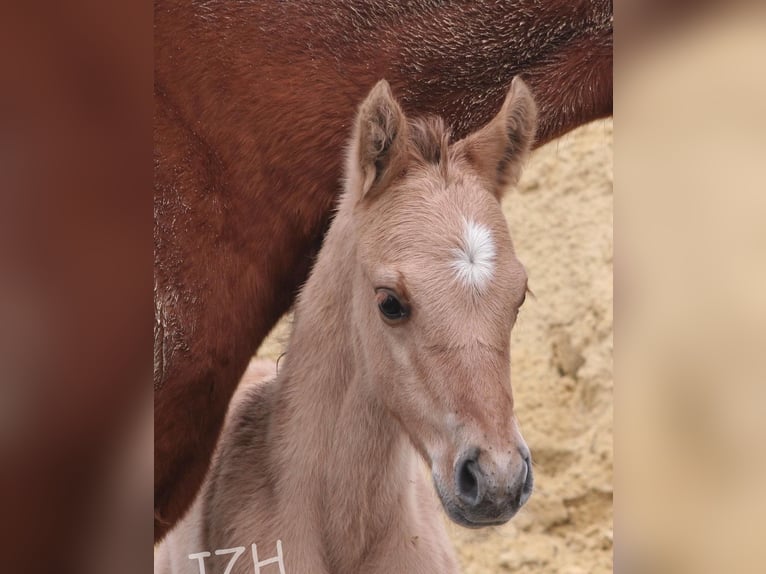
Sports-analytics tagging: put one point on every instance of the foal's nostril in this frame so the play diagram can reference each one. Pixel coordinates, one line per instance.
(528, 481)
(467, 481)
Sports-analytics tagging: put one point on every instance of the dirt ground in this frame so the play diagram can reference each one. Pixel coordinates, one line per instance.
(561, 351)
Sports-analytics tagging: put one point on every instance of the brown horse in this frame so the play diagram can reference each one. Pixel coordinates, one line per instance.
(252, 105)
(399, 352)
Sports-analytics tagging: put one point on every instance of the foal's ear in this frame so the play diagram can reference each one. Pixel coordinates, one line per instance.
(499, 149)
(379, 142)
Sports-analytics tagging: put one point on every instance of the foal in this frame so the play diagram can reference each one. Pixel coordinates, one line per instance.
(400, 348)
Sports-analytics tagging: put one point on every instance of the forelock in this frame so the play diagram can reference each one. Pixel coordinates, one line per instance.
(429, 142)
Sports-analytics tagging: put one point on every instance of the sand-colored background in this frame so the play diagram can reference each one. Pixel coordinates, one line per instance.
(561, 351)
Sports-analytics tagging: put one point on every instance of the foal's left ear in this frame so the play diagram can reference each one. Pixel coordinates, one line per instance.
(378, 147)
(499, 149)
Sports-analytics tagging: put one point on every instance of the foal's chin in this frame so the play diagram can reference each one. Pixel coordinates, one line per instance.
(470, 519)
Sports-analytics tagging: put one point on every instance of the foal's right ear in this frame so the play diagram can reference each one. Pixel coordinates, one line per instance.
(379, 142)
(499, 149)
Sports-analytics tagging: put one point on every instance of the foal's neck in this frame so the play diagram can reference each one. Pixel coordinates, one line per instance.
(358, 462)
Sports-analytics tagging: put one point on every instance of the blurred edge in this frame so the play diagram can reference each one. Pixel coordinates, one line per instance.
(690, 283)
(76, 287)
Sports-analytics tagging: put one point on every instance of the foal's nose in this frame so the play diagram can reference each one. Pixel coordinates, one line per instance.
(492, 489)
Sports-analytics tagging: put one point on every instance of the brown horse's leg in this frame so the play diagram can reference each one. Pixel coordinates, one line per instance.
(190, 396)
(222, 279)
(199, 331)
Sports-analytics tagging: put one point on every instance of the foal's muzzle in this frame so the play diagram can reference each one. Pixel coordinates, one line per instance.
(490, 490)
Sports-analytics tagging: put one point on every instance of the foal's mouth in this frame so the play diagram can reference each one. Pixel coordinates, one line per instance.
(459, 515)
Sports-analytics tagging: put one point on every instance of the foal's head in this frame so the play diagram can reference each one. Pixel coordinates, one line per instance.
(437, 288)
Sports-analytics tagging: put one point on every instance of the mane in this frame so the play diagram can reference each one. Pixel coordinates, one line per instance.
(429, 141)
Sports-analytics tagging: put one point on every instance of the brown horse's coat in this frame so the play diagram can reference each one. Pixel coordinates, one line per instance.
(324, 458)
(252, 108)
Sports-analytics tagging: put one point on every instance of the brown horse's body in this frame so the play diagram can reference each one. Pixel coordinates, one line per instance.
(252, 109)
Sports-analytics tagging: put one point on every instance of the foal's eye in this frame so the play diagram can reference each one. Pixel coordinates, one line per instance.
(390, 305)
